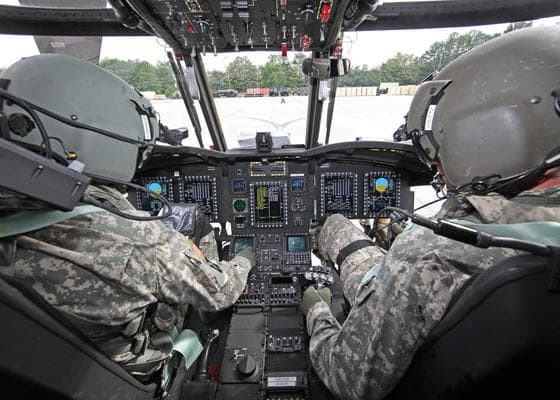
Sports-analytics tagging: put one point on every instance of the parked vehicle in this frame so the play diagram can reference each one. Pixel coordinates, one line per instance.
(258, 92)
(279, 92)
(226, 93)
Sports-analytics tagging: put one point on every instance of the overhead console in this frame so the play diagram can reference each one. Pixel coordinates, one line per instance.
(228, 25)
(272, 203)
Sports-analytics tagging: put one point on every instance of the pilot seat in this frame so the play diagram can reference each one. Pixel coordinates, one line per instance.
(499, 339)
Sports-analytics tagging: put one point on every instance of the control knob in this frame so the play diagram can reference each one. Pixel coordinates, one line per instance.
(247, 366)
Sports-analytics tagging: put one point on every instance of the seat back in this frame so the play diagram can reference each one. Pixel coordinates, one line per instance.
(40, 357)
(499, 339)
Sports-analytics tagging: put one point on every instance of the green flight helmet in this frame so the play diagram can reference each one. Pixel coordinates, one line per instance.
(85, 93)
(493, 113)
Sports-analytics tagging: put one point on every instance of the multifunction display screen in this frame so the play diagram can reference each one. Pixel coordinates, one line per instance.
(158, 185)
(238, 185)
(296, 244)
(296, 184)
(338, 194)
(381, 189)
(241, 243)
(201, 190)
(268, 204)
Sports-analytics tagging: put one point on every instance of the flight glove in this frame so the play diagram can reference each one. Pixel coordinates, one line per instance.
(311, 297)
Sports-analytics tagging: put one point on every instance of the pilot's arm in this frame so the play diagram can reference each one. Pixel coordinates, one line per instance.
(187, 276)
(336, 234)
(183, 274)
(392, 312)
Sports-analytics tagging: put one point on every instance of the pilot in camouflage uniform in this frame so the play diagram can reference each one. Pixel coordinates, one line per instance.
(125, 284)
(398, 296)
(393, 312)
(103, 271)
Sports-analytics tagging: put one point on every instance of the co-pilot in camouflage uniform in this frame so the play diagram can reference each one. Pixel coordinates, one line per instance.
(395, 311)
(103, 271)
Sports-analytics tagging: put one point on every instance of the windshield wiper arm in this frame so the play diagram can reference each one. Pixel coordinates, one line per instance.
(314, 109)
(207, 101)
(186, 95)
(332, 98)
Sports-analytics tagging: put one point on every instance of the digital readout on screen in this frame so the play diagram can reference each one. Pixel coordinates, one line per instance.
(269, 203)
(297, 184)
(296, 243)
(241, 243)
(238, 185)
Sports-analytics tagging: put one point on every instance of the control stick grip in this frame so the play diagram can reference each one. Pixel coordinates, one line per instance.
(208, 337)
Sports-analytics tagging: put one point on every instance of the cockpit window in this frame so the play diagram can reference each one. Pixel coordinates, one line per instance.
(371, 101)
(261, 91)
(387, 67)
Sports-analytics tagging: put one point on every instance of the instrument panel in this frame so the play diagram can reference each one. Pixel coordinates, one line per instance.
(283, 200)
(272, 206)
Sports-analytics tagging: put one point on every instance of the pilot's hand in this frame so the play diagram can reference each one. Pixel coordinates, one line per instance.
(311, 297)
(314, 229)
(247, 253)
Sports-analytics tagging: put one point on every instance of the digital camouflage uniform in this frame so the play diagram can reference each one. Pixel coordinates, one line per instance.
(104, 271)
(394, 312)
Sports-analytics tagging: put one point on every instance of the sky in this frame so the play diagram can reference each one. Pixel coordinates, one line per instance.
(370, 48)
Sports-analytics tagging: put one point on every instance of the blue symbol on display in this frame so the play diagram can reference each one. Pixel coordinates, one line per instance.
(155, 187)
(381, 185)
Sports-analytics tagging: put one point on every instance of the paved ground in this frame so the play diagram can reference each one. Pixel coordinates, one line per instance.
(367, 117)
(370, 118)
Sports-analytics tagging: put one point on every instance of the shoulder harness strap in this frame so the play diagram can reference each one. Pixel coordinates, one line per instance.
(28, 221)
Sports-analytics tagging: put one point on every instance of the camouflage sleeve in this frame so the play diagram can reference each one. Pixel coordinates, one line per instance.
(338, 232)
(392, 315)
(209, 246)
(187, 276)
(107, 269)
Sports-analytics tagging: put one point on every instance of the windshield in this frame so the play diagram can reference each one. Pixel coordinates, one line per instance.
(256, 91)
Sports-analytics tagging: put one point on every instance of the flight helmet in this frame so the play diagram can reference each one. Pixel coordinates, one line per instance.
(492, 115)
(85, 93)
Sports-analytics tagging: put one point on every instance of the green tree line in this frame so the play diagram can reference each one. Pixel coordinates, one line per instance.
(410, 69)
(241, 74)
(143, 75)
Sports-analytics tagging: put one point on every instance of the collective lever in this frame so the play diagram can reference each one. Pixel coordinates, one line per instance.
(208, 338)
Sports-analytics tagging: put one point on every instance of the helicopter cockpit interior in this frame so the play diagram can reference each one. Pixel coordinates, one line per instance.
(270, 197)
